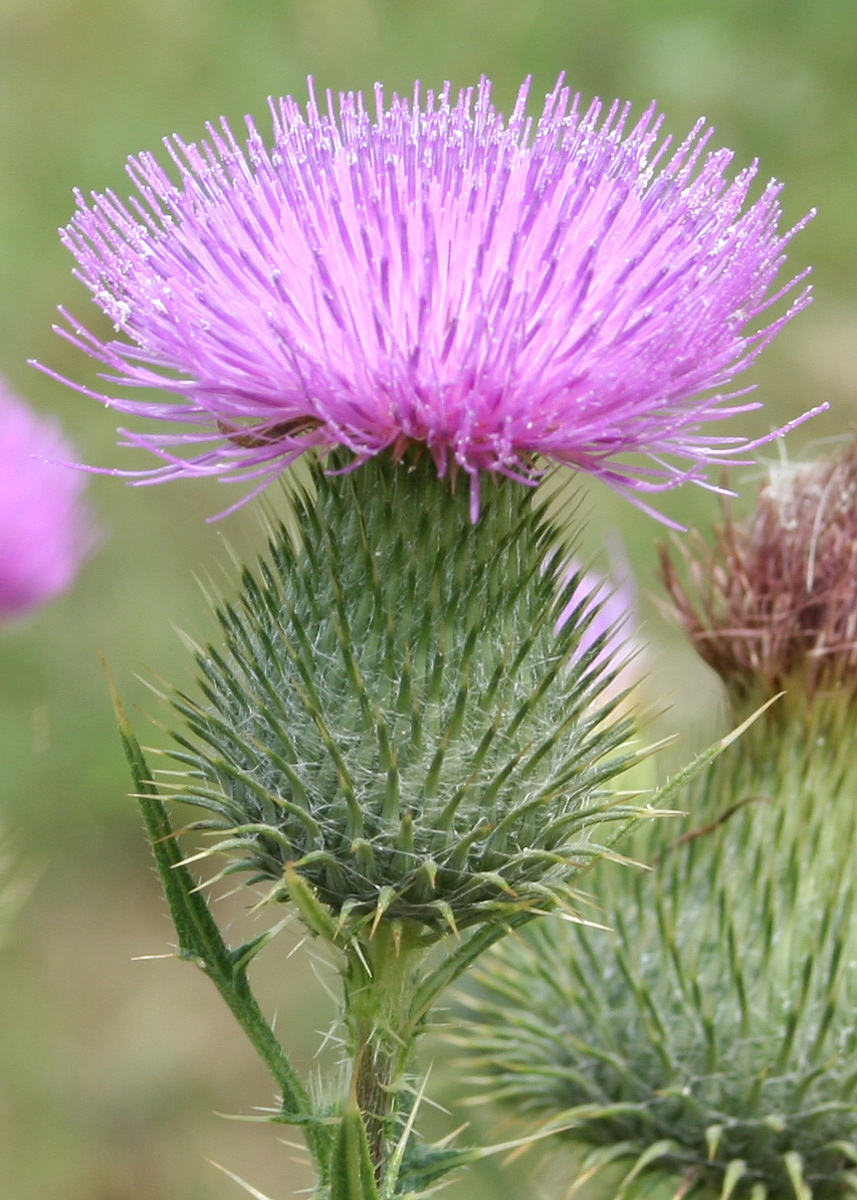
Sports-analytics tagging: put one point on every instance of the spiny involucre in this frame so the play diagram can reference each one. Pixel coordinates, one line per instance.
(494, 290)
(394, 713)
(45, 531)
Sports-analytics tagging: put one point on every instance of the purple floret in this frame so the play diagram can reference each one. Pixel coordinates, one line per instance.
(496, 291)
(45, 532)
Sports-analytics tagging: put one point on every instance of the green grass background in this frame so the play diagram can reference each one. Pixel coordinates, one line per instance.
(111, 1070)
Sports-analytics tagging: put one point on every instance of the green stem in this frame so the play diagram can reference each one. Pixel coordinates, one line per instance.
(379, 978)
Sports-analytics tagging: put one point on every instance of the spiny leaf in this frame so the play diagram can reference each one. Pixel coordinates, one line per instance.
(200, 940)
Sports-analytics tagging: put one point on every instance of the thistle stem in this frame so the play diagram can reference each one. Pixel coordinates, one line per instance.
(380, 976)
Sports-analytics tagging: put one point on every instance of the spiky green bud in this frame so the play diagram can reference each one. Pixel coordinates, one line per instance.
(393, 715)
(713, 1029)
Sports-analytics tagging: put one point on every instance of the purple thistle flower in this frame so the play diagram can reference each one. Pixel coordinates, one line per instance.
(437, 276)
(45, 532)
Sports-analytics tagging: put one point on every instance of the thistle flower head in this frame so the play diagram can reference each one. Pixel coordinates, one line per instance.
(44, 529)
(492, 290)
(772, 604)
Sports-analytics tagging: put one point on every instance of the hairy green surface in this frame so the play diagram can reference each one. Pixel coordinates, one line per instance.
(710, 1039)
(393, 711)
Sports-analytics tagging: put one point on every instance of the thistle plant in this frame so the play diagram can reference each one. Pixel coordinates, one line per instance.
(423, 762)
(408, 731)
(707, 1043)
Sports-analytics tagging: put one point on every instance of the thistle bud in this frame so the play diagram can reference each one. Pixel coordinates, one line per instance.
(705, 1041)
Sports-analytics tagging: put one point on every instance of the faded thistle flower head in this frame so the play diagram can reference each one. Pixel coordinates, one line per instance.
(772, 603)
(45, 531)
(497, 291)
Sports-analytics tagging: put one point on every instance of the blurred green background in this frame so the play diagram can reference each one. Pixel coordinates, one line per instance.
(111, 1070)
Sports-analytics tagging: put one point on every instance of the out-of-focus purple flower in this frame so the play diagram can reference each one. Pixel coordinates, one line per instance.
(45, 531)
(436, 275)
(611, 603)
